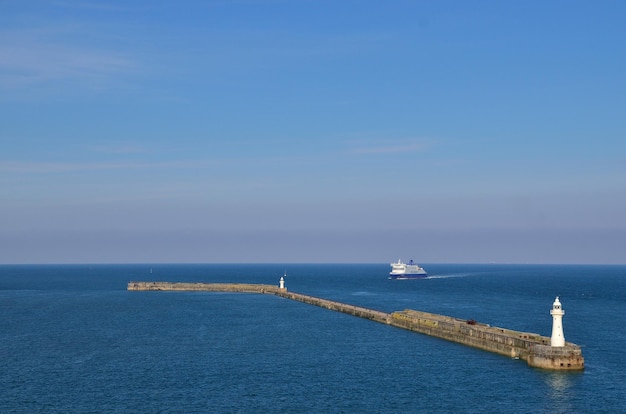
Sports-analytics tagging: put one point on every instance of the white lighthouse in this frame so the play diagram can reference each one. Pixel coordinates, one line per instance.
(557, 313)
(281, 283)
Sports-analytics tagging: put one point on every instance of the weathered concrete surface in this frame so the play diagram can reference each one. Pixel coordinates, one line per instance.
(533, 348)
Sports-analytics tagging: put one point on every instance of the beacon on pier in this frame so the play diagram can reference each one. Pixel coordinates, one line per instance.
(557, 313)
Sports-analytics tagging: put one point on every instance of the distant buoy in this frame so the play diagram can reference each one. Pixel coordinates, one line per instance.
(557, 313)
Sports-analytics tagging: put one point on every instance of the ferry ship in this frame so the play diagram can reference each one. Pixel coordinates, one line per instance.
(409, 270)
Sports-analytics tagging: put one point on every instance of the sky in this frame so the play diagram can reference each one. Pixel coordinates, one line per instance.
(308, 131)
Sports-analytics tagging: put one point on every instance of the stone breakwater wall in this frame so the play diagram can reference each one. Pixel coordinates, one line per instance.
(365, 313)
(533, 348)
(205, 287)
(530, 347)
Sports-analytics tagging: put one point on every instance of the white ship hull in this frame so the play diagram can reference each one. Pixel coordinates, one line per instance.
(409, 270)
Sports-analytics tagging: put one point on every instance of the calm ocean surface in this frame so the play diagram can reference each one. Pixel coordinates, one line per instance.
(73, 340)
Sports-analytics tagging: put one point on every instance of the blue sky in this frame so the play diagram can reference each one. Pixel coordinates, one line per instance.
(312, 131)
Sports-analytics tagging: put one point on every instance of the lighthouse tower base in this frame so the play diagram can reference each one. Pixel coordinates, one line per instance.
(568, 357)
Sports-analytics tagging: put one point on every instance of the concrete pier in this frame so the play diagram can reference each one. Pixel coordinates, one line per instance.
(530, 347)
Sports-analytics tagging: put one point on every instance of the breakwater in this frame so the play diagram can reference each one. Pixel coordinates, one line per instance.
(530, 347)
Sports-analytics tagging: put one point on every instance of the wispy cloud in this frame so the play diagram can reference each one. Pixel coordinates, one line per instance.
(91, 5)
(33, 167)
(40, 56)
(120, 149)
(390, 149)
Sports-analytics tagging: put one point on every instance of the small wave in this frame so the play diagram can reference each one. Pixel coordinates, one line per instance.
(363, 294)
(82, 358)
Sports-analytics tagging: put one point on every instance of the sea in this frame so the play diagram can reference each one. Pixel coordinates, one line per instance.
(74, 340)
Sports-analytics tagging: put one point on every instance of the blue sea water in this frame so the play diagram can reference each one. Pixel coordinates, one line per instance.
(73, 340)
